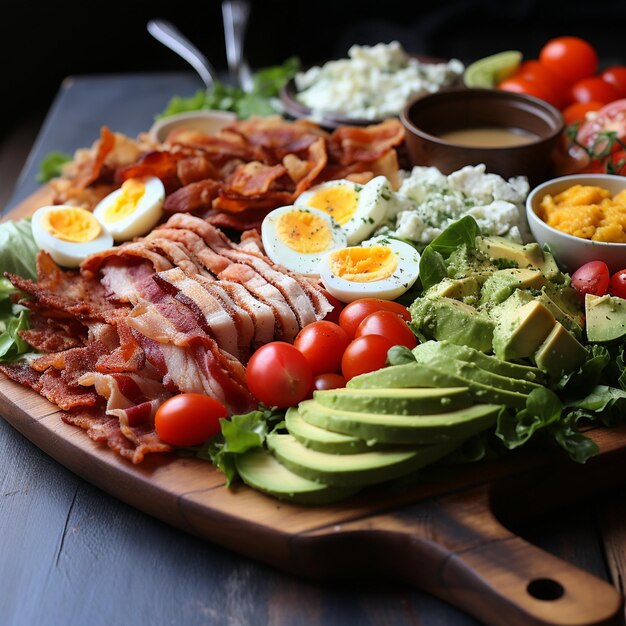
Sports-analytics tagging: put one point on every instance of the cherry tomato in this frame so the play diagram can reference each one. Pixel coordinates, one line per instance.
(572, 58)
(337, 305)
(189, 419)
(556, 89)
(355, 312)
(389, 325)
(617, 284)
(616, 75)
(611, 117)
(577, 112)
(329, 381)
(322, 344)
(592, 277)
(593, 89)
(365, 354)
(279, 375)
(519, 84)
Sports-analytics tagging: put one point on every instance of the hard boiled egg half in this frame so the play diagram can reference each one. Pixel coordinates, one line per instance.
(297, 237)
(379, 268)
(359, 209)
(133, 209)
(69, 234)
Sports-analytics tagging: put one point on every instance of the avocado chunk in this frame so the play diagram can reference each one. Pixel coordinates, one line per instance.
(322, 439)
(420, 401)
(460, 323)
(444, 349)
(502, 283)
(606, 318)
(565, 306)
(464, 262)
(561, 353)
(403, 429)
(435, 374)
(465, 289)
(521, 331)
(528, 255)
(353, 470)
(260, 470)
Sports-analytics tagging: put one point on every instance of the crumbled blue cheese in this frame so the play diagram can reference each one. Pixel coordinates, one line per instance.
(375, 82)
(430, 201)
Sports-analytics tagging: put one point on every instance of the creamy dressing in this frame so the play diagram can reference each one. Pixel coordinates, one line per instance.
(489, 137)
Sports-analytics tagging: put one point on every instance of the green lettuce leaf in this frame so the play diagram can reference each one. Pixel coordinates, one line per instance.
(18, 250)
(51, 165)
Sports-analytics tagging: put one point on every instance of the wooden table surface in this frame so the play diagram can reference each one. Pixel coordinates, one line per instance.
(70, 554)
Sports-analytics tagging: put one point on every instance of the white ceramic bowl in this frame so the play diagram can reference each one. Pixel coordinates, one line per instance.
(571, 252)
(209, 122)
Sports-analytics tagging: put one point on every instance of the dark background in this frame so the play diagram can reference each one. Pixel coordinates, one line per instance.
(42, 43)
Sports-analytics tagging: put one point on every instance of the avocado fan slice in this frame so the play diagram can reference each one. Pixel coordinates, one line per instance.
(353, 470)
(418, 401)
(454, 426)
(260, 470)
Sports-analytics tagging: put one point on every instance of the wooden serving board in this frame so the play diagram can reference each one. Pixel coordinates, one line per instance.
(444, 536)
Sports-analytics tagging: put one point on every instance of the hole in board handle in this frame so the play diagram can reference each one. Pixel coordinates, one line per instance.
(545, 589)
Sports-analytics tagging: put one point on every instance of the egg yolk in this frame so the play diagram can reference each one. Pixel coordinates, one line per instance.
(363, 264)
(340, 202)
(71, 224)
(303, 232)
(126, 202)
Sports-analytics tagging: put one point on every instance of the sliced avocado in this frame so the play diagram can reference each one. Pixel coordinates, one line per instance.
(470, 371)
(464, 262)
(260, 470)
(466, 289)
(502, 283)
(560, 353)
(445, 349)
(435, 374)
(565, 310)
(528, 255)
(353, 470)
(445, 318)
(606, 318)
(420, 401)
(521, 331)
(403, 429)
(321, 439)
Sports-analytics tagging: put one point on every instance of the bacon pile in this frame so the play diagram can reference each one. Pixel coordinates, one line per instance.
(182, 309)
(235, 177)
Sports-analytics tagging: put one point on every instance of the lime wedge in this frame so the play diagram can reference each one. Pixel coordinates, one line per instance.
(489, 71)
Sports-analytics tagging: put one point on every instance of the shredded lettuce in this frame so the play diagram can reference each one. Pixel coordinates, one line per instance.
(262, 100)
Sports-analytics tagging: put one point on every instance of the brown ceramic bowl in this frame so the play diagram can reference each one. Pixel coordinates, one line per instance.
(428, 119)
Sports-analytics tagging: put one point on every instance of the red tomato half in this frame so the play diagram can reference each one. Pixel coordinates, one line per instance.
(322, 344)
(365, 354)
(616, 75)
(617, 284)
(390, 326)
(593, 89)
(592, 277)
(279, 375)
(571, 58)
(611, 117)
(189, 419)
(355, 312)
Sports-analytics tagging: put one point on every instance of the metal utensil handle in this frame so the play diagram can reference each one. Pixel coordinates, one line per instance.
(236, 14)
(171, 37)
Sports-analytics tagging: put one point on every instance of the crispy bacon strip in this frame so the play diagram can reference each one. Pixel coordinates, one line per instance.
(105, 145)
(368, 143)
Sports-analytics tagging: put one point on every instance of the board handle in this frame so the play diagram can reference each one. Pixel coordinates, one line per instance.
(455, 548)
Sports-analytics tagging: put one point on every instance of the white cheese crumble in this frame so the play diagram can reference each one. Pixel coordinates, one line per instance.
(375, 82)
(432, 201)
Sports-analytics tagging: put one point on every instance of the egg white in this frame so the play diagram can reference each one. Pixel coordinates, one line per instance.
(282, 254)
(66, 253)
(145, 215)
(389, 288)
(375, 201)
